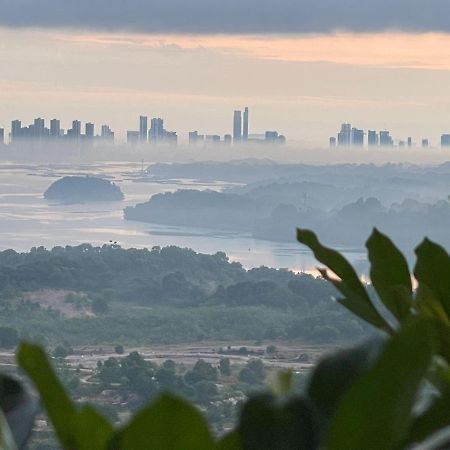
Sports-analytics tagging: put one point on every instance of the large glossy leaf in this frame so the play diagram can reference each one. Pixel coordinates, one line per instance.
(433, 272)
(356, 298)
(93, 430)
(230, 441)
(169, 424)
(267, 425)
(435, 418)
(390, 275)
(19, 409)
(335, 374)
(60, 409)
(376, 413)
(7, 441)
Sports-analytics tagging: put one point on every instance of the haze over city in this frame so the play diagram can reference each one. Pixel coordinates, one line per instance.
(224, 224)
(375, 64)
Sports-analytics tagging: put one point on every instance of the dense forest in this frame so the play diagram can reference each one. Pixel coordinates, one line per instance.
(108, 294)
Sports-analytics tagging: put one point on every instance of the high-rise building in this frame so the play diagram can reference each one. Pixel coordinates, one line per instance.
(2, 136)
(332, 142)
(156, 132)
(107, 134)
(16, 130)
(445, 140)
(228, 139)
(386, 139)
(372, 138)
(357, 138)
(39, 128)
(425, 143)
(143, 128)
(410, 142)
(133, 137)
(245, 127)
(344, 136)
(195, 138)
(76, 129)
(55, 128)
(212, 138)
(237, 126)
(89, 130)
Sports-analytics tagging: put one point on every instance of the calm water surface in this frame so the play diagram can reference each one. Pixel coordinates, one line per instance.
(28, 220)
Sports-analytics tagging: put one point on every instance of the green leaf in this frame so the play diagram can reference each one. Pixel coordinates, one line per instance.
(169, 424)
(335, 373)
(428, 305)
(60, 409)
(283, 383)
(19, 408)
(93, 430)
(434, 419)
(376, 413)
(270, 425)
(7, 441)
(432, 271)
(230, 441)
(390, 275)
(356, 298)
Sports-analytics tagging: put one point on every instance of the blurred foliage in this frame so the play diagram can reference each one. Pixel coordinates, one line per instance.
(389, 393)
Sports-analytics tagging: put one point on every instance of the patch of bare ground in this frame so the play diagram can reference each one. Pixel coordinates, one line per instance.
(69, 303)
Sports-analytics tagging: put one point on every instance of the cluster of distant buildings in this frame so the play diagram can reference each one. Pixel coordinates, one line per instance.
(349, 136)
(156, 133)
(150, 131)
(38, 132)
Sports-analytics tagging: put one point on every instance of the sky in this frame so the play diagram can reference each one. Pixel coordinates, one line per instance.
(302, 66)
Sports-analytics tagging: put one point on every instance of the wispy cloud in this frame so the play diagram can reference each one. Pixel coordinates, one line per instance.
(395, 50)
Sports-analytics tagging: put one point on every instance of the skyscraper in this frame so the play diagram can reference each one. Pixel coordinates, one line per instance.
(143, 128)
(107, 134)
(156, 132)
(445, 140)
(357, 137)
(2, 136)
(344, 136)
(372, 138)
(237, 126)
(245, 129)
(386, 139)
(55, 128)
(76, 129)
(16, 130)
(89, 130)
(39, 128)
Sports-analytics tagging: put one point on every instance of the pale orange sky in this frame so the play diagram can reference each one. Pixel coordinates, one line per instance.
(304, 86)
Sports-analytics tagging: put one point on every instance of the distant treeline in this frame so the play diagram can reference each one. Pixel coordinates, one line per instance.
(304, 205)
(165, 295)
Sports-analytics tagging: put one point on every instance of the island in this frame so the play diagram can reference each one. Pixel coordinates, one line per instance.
(82, 189)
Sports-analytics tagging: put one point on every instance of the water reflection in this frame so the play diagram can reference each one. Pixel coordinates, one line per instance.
(27, 219)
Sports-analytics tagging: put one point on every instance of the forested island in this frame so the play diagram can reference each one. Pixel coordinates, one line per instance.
(273, 212)
(82, 189)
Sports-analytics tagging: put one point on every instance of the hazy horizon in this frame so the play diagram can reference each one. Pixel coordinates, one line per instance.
(301, 78)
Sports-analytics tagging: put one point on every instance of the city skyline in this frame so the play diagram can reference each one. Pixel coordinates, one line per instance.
(348, 136)
(156, 133)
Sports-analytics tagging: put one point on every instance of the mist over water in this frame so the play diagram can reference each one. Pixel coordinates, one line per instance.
(28, 220)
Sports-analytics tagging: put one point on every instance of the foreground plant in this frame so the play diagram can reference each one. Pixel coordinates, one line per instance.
(390, 393)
